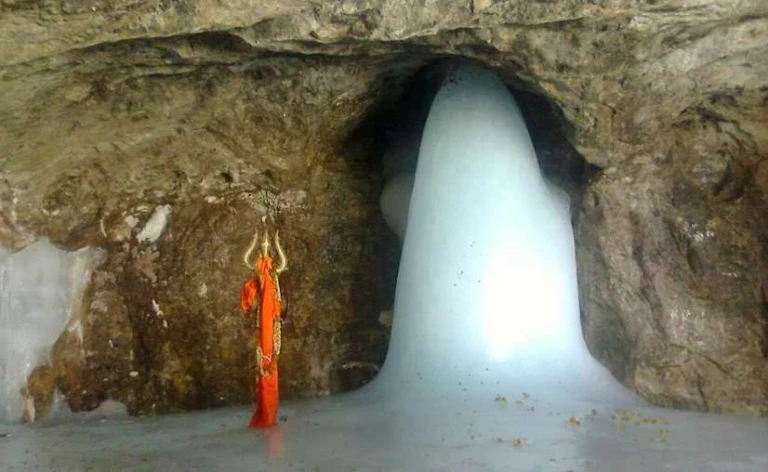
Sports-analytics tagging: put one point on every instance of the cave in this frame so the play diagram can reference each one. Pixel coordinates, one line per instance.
(144, 144)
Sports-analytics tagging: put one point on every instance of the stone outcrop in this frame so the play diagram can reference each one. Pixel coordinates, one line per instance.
(219, 115)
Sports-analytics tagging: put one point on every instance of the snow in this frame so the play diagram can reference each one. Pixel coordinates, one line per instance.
(487, 369)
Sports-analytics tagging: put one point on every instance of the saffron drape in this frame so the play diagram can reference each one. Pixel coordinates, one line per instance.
(261, 289)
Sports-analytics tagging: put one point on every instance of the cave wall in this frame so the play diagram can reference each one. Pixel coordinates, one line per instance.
(672, 252)
(214, 149)
(111, 109)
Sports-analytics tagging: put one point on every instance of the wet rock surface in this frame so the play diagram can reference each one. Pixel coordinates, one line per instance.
(110, 110)
(174, 195)
(673, 273)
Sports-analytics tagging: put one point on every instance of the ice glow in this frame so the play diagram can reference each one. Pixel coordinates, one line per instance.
(487, 276)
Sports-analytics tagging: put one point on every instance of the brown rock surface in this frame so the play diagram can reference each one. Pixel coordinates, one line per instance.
(673, 264)
(109, 109)
(162, 329)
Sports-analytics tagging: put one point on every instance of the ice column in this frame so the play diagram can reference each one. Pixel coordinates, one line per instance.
(487, 283)
(395, 200)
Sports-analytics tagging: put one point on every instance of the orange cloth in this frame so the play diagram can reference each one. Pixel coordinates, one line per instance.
(263, 288)
(248, 296)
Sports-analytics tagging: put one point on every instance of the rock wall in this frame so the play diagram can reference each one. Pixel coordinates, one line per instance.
(673, 264)
(111, 109)
(206, 159)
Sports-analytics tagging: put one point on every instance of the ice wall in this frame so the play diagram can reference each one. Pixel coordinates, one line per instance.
(40, 293)
(395, 200)
(487, 284)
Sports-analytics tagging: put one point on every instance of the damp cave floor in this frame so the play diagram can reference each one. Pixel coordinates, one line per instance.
(518, 432)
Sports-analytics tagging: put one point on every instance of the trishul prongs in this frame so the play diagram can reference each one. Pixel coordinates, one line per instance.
(282, 260)
(247, 255)
(265, 243)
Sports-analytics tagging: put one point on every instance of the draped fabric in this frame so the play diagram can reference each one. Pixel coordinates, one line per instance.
(261, 289)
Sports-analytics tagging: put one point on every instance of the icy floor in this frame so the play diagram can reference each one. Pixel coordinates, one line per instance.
(487, 368)
(359, 433)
